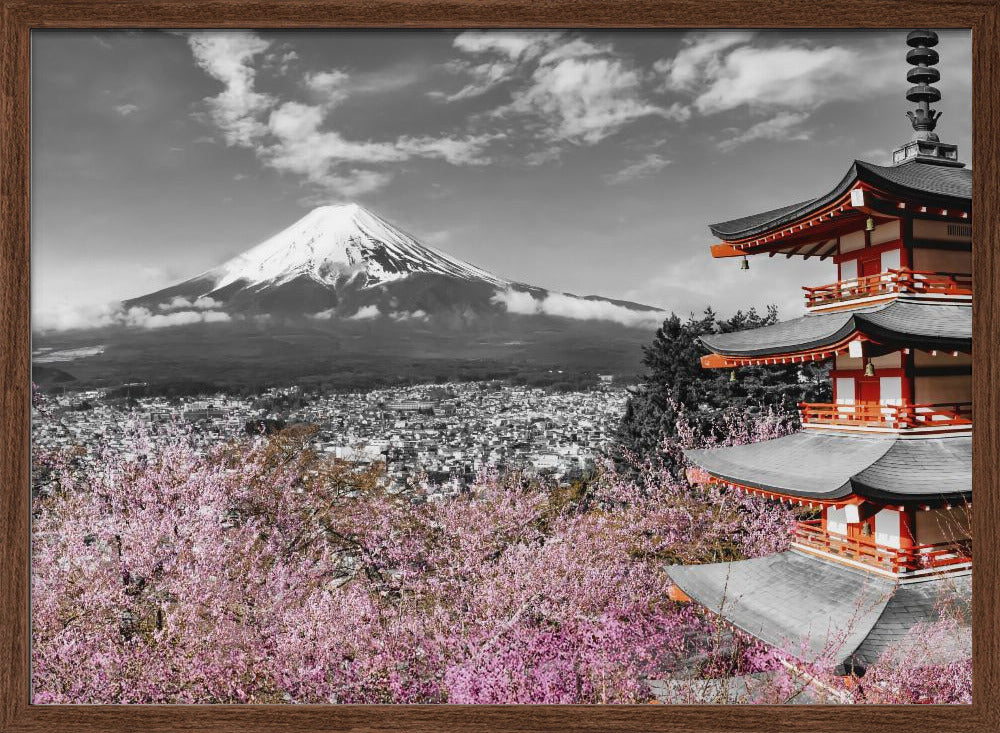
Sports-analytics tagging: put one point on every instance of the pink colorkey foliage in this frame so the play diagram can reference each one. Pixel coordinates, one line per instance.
(259, 572)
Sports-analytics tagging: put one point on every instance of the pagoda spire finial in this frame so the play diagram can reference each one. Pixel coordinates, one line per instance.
(923, 57)
(925, 145)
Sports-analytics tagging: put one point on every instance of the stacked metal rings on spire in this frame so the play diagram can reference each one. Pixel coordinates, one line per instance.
(923, 57)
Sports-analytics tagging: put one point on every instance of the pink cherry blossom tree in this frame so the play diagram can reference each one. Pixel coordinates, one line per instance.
(261, 572)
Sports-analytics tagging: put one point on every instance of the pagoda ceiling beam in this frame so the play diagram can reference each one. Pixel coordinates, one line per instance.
(726, 250)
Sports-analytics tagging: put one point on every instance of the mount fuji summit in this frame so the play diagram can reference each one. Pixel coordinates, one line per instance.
(346, 262)
(344, 292)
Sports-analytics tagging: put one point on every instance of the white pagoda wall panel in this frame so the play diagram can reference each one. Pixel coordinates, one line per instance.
(890, 390)
(887, 528)
(836, 521)
(848, 270)
(890, 261)
(844, 389)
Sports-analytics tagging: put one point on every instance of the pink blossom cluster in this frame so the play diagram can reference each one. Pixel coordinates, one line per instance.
(260, 572)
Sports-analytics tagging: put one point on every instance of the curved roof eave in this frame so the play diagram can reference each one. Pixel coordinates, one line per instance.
(914, 324)
(815, 609)
(948, 184)
(825, 466)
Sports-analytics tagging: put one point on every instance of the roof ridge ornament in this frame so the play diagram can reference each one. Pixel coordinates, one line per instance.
(924, 146)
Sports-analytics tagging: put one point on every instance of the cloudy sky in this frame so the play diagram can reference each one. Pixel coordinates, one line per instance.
(586, 162)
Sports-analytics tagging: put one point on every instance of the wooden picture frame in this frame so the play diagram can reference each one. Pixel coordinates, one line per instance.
(19, 17)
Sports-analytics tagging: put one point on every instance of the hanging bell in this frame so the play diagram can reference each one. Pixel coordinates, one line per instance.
(870, 225)
(869, 369)
(745, 264)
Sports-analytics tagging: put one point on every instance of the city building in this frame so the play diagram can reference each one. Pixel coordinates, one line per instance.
(886, 466)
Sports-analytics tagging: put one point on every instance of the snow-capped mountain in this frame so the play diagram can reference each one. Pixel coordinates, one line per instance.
(344, 297)
(344, 262)
(333, 241)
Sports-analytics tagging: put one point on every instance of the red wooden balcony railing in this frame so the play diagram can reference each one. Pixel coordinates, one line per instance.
(936, 556)
(902, 280)
(899, 417)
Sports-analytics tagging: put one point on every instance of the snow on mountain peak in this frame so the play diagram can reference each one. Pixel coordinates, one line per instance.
(334, 241)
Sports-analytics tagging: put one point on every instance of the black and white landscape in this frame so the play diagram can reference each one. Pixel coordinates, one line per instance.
(344, 288)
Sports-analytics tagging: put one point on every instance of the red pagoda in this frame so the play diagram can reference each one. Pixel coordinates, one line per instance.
(885, 468)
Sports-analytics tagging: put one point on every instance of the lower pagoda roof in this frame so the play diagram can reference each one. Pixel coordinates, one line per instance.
(902, 323)
(817, 610)
(831, 465)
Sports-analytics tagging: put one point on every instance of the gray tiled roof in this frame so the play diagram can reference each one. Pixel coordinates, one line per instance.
(922, 179)
(910, 604)
(815, 609)
(902, 321)
(924, 467)
(818, 464)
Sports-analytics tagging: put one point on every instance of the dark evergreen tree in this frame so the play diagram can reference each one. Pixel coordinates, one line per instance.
(675, 381)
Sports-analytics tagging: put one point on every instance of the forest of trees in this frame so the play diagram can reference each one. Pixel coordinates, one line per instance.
(675, 386)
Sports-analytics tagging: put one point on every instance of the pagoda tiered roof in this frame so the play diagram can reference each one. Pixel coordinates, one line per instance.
(810, 228)
(915, 179)
(815, 609)
(902, 323)
(830, 467)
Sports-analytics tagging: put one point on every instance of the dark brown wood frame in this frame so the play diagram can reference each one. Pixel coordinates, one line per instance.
(20, 16)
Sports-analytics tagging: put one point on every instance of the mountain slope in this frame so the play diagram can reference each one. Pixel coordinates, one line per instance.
(341, 261)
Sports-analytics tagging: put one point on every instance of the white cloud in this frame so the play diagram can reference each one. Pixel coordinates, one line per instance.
(784, 126)
(294, 120)
(69, 318)
(366, 313)
(454, 150)
(417, 315)
(571, 306)
(485, 77)
(327, 159)
(182, 303)
(518, 301)
(574, 90)
(786, 82)
(331, 85)
(296, 138)
(126, 109)
(508, 51)
(228, 56)
(511, 44)
(113, 314)
(799, 78)
(700, 57)
(651, 164)
(585, 100)
(574, 49)
(323, 315)
(179, 318)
